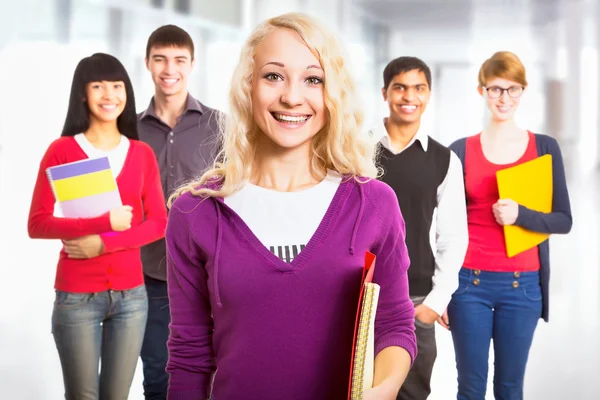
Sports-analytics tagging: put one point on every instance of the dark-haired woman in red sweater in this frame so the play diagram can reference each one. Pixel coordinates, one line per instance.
(101, 304)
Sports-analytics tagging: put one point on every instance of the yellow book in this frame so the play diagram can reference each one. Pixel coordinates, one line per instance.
(364, 356)
(529, 184)
(363, 347)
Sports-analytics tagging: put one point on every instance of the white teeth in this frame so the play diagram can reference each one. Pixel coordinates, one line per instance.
(170, 81)
(288, 118)
(109, 106)
(409, 108)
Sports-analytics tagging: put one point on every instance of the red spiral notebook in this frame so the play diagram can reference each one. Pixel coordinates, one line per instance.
(363, 344)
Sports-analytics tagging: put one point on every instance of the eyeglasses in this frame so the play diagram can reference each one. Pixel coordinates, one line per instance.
(496, 92)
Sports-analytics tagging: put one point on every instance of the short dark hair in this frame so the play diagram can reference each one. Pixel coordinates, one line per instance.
(401, 65)
(99, 67)
(170, 35)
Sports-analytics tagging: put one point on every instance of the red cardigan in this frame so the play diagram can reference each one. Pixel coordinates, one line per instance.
(119, 266)
(487, 250)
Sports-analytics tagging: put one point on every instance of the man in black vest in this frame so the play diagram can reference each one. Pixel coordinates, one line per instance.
(427, 178)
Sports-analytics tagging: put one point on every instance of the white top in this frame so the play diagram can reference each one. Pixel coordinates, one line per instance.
(449, 234)
(116, 156)
(284, 221)
(380, 134)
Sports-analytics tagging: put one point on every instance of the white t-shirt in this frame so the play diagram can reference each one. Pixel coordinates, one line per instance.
(284, 221)
(116, 156)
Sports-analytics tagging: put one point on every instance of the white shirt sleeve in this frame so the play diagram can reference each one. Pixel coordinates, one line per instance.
(451, 239)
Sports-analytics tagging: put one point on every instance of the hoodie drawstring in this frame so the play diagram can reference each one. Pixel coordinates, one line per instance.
(217, 253)
(357, 222)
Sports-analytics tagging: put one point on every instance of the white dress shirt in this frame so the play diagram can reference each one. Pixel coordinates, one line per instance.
(449, 236)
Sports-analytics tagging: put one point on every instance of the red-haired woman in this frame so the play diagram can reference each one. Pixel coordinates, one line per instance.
(498, 297)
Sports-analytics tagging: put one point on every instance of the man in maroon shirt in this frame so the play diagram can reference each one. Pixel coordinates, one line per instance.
(183, 134)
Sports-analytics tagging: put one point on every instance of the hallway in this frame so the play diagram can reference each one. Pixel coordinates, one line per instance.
(41, 42)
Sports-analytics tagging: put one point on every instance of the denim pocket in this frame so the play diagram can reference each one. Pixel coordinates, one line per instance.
(463, 285)
(138, 293)
(533, 292)
(67, 300)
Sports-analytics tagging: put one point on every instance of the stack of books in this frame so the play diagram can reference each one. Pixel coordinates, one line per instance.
(363, 349)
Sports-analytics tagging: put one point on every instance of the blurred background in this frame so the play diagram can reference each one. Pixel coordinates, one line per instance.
(41, 42)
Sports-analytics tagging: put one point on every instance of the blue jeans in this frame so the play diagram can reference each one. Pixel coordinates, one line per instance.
(502, 306)
(107, 326)
(154, 350)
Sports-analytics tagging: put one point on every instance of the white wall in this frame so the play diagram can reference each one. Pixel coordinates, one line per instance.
(456, 109)
(35, 76)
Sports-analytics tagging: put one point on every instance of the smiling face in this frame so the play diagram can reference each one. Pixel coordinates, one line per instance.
(502, 103)
(287, 90)
(407, 96)
(170, 67)
(105, 100)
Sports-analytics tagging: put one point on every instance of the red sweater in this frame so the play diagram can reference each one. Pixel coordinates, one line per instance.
(487, 248)
(119, 266)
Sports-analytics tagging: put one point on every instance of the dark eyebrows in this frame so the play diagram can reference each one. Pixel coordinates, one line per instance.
(396, 84)
(155, 56)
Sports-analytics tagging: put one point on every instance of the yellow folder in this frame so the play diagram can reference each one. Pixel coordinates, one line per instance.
(529, 184)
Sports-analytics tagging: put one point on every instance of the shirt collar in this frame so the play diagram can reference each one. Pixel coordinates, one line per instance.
(380, 134)
(191, 105)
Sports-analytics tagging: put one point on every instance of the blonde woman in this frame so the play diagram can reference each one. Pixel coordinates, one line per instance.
(265, 250)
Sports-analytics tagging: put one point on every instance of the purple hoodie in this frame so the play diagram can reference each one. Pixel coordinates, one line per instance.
(268, 330)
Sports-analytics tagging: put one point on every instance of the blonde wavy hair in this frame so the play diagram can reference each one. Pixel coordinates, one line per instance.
(340, 145)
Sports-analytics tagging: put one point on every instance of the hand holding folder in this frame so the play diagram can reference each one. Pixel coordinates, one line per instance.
(529, 184)
(363, 347)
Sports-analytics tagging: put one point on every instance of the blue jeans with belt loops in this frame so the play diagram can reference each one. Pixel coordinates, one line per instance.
(505, 307)
(106, 327)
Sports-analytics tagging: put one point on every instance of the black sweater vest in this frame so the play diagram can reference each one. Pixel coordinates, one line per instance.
(415, 175)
